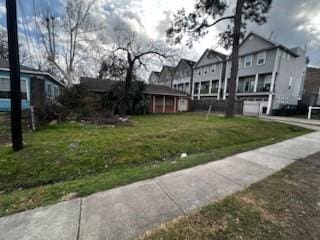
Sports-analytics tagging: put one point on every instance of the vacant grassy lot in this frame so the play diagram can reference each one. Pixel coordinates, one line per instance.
(72, 159)
(284, 206)
(4, 128)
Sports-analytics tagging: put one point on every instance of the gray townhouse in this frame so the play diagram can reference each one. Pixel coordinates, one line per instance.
(208, 75)
(166, 76)
(154, 77)
(183, 76)
(269, 74)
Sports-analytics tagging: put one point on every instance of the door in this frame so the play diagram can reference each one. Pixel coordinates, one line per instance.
(182, 105)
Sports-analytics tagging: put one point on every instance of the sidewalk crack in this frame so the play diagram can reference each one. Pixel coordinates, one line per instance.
(79, 220)
(170, 197)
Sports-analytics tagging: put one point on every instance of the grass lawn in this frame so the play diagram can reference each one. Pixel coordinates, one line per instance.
(4, 128)
(284, 206)
(72, 159)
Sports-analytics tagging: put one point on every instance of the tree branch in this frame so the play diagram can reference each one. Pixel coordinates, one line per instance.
(206, 25)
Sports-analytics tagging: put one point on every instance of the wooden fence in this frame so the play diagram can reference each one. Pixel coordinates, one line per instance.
(217, 105)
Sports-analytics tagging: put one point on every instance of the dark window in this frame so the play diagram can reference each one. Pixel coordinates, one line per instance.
(5, 88)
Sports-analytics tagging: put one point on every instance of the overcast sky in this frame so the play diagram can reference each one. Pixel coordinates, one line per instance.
(292, 22)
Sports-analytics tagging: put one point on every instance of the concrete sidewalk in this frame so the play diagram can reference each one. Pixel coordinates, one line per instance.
(300, 122)
(126, 212)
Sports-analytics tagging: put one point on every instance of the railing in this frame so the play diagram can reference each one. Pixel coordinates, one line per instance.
(310, 111)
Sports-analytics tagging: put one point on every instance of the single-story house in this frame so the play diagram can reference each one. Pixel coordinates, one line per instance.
(37, 87)
(162, 99)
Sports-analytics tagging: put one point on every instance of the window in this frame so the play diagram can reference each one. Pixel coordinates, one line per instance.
(215, 86)
(261, 58)
(290, 83)
(284, 55)
(24, 91)
(196, 88)
(49, 92)
(264, 83)
(213, 68)
(248, 61)
(205, 87)
(205, 70)
(239, 63)
(187, 87)
(246, 84)
(5, 88)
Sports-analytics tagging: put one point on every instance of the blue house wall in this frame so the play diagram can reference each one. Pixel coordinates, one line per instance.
(5, 103)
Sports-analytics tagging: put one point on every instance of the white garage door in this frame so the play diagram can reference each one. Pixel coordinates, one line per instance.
(182, 105)
(251, 108)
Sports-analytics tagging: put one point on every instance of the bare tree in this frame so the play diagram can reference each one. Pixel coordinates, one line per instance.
(4, 54)
(24, 55)
(207, 14)
(135, 54)
(65, 36)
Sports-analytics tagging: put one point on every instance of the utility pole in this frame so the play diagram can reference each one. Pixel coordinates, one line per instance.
(15, 86)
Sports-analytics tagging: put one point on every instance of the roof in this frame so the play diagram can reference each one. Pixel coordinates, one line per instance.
(101, 86)
(292, 51)
(222, 56)
(170, 68)
(156, 73)
(96, 84)
(190, 63)
(163, 90)
(4, 65)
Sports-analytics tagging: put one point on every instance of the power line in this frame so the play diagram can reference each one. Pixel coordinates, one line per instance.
(28, 34)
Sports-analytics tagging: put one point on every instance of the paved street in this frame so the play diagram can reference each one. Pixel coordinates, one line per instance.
(126, 212)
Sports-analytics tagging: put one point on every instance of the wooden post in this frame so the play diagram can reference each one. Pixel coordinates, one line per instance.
(174, 104)
(164, 104)
(154, 103)
(15, 88)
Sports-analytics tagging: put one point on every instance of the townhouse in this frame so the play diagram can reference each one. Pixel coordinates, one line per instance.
(208, 75)
(269, 74)
(154, 77)
(183, 76)
(166, 76)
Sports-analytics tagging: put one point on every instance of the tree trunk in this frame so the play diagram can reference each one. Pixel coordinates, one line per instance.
(127, 85)
(235, 60)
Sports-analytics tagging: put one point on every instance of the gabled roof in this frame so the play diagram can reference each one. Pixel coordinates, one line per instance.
(219, 55)
(190, 63)
(163, 90)
(273, 43)
(4, 66)
(155, 73)
(170, 68)
(98, 85)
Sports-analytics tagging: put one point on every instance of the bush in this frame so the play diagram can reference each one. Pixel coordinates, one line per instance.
(77, 103)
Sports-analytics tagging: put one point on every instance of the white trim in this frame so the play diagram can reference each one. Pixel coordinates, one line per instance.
(264, 58)
(251, 60)
(220, 80)
(256, 83)
(27, 87)
(35, 73)
(273, 79)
